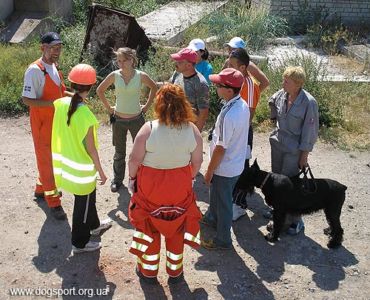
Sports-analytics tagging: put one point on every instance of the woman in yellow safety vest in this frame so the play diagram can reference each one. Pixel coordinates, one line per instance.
(76, 161)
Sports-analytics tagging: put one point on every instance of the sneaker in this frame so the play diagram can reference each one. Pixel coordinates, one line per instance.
(115, 186)
(149, 280)
(270, 226)
(58, 213)
(238, 212)
(211, 245)
(105, 224)
(89, 247)
(268, 214)
(175, 280)
(296, 228)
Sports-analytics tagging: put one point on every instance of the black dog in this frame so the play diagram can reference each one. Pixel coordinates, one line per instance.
(286, 196)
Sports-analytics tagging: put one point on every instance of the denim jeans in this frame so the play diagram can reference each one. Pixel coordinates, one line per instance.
(220, 210)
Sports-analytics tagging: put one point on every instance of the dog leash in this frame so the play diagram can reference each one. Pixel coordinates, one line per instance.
(307, 186)
(265, 180)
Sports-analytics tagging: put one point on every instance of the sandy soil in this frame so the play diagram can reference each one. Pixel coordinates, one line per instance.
(36, 250)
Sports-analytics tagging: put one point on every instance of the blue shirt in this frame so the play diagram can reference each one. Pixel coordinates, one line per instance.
(204, 68)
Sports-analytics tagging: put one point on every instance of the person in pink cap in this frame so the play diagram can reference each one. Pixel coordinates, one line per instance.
(194, 84)
(227, 156)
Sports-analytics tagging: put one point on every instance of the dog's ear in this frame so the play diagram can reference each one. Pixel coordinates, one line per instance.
(255, 165)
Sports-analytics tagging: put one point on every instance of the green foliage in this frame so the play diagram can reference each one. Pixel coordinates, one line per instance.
(159, 64)
(307, 15)
(329, 38)
(323, 30)
(253, 25)
(14, 60)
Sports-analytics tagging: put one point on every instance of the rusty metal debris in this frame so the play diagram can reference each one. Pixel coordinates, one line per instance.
(110, 29)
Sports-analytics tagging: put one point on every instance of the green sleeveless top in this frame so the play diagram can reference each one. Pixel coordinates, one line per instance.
(74, 170)
(127, 96)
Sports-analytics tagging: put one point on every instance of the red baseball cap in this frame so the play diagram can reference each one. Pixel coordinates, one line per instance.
(229, 77)
(185, 54)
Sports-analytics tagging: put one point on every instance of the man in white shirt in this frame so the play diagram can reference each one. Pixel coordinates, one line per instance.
(228, 151)
(43, 84)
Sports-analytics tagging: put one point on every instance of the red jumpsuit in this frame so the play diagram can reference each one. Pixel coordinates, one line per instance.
(163, 205)
(41, 119)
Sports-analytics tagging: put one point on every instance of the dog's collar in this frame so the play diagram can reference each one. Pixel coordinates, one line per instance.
(265, 180)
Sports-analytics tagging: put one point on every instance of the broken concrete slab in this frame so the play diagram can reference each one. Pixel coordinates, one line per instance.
(359, 52)
(23, 26)
(169, 23)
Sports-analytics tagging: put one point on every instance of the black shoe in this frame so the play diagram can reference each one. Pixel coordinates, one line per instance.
(115, 186)
(39, 196)
(174, 280)
(149, 280)
(58, 213)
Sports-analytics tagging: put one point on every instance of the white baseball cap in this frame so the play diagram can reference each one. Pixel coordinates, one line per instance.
(197, 44)
(236, 42)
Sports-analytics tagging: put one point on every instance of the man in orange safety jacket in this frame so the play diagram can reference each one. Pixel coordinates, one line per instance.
(43, 84)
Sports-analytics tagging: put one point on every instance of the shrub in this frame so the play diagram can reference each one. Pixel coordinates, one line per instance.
(253, 25)
(330, 106)
(14, 60)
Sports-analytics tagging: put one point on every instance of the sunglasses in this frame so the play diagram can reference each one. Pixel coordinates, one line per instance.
(221, 86)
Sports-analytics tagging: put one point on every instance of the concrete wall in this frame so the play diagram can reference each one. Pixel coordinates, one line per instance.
(6, 8)
(32, 5)
(61, 8)
(351, 12)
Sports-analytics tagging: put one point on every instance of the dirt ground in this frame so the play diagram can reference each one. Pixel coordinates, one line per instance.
(36, 249)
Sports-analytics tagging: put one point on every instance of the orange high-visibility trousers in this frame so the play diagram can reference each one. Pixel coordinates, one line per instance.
(41, 119)
(41, 125)
(148, 264)
(163, 205)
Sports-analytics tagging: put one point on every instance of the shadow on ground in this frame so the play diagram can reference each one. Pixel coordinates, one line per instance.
(80, 274)
(327, 265)
(122, 208)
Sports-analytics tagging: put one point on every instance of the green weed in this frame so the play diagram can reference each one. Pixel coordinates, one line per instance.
(255, 26)
(14, 60)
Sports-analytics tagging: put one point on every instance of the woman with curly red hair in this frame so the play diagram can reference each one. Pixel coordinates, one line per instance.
(166, 156)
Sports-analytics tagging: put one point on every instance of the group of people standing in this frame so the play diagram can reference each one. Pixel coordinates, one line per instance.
(168, 151)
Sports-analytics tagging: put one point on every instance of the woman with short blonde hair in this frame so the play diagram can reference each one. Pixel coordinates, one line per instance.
(297, 74)
(296, 114)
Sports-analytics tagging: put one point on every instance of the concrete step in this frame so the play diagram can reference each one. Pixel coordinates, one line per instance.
(25, 25)
(169, 22)
(359, 52)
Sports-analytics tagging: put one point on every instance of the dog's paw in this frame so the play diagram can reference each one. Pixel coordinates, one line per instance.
(270, 238)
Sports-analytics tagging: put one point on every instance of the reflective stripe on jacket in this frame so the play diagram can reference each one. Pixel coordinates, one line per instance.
(74, 170)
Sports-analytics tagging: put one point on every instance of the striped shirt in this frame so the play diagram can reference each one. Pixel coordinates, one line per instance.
(250, 92)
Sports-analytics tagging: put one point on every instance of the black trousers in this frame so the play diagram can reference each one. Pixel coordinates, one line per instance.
(85, 218)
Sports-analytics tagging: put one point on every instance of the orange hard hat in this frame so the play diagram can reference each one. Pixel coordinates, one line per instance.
(83, 74)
